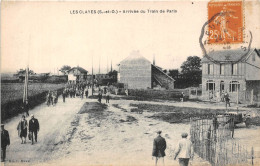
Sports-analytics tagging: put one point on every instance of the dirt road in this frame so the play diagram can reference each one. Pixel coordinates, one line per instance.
(113, 137)
(73, 134)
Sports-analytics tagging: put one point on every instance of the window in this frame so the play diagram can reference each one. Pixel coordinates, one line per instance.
(222, 86)
(234, 69)
(210, 68)
(221, 69)
(210, 85)
(234, 86)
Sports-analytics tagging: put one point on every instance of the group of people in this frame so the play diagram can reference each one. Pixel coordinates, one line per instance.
(73, 90)
(52, 98)
(106, 92)
(23, 128)
(33, 129)
(220, 97)
(184, 151)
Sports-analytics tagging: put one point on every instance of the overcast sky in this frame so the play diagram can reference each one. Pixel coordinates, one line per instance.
(46, 35)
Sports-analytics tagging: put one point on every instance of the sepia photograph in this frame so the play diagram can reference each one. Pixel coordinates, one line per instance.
(130, 83)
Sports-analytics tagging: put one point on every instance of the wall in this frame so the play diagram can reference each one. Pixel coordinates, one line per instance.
(136, 74)
(253, 67)
(227, 77)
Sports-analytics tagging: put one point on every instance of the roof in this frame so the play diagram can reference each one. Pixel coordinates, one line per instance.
(227, 55)
(159, 69)
(80, 69)
(134, 57)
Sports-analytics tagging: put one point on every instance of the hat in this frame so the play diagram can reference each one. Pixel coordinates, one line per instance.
(159, 131)
(184, 135)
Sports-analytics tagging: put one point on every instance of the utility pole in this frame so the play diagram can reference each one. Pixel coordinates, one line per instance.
(99, 66)
(92, 77)
(111, 65)
(107, 64)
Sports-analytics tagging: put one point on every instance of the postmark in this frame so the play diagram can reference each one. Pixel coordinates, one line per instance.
(212, 38)
(227, 25)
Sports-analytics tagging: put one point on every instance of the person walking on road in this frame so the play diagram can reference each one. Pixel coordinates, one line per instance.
(34, 128)
(22, 129)
(184, 150)
(107, 96)
(99, 96)
(159, 146)
(5, 141)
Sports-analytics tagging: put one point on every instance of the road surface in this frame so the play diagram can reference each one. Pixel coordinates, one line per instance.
(110, 137)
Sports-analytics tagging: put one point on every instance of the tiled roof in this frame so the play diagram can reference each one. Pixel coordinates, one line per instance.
(134, 56)
(80, 69)
(227, 55)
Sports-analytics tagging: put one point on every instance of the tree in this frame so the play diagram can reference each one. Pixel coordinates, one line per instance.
(173, 72)
(64, 69)
(191, 64)
(191, 72)
(22, 72)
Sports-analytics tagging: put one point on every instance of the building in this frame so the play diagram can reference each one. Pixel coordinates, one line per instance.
(77, 74)
(136, 72)
(102, 76)
(232, 71)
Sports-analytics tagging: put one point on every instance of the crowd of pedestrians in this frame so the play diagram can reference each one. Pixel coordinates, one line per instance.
(52, 98)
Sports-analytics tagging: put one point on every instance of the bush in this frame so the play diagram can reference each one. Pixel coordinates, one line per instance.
(14, 107)
(158, 94)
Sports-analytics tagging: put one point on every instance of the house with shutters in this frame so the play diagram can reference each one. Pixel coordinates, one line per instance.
(232, 71)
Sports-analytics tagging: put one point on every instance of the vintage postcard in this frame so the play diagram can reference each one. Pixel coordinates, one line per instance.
(140, 83)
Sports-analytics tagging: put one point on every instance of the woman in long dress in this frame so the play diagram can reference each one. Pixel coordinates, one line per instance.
(22, 129)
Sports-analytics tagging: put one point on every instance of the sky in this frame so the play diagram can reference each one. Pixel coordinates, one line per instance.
(46, 35)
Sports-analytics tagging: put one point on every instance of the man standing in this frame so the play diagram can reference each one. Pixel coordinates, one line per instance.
(5, 140)
(226, 97)
(107, 96)
(99, 96)
(159, 146)
(86, 92)
(184, 150)
(34, 127)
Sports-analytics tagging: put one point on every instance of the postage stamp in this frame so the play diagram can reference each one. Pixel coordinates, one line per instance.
(226, 22)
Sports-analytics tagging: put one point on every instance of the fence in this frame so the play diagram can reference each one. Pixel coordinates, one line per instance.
(211, 140)
(195, 91)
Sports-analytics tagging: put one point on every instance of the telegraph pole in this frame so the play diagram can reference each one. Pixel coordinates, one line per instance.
(92, 77)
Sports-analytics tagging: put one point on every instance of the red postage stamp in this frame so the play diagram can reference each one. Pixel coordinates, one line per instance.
(225, 22)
